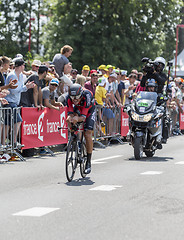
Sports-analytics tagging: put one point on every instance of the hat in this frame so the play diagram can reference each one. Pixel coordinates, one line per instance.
(93, 71)
(101, 81)
(18, 62)
(123, 72)
(19, 55)
(54, 81)
(36, 63)
(86, 67)
(113, 75)
(102, 67)
(109, 66)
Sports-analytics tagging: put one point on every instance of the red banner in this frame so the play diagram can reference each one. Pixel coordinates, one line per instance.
(181, 121)
(124, 123)
(40, 128)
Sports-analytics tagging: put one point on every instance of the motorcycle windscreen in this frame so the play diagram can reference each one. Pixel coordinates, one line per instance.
(145, 102)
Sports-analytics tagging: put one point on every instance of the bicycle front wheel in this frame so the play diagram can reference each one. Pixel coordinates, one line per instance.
(84, 159)
(71, 159)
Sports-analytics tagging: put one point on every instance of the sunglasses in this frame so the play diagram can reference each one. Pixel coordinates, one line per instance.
(55, 85)
(75, 97)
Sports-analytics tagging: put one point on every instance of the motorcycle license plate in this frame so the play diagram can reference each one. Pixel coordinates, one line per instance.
(142, 109)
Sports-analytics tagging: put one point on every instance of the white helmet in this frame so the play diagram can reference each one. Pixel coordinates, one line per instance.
(160, 60)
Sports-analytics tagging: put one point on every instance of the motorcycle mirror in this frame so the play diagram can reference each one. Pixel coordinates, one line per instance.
(145, 59)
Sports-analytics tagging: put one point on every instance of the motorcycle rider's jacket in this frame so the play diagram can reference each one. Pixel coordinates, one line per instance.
(160, 79)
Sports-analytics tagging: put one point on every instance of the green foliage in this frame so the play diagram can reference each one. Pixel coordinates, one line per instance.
(116, 32)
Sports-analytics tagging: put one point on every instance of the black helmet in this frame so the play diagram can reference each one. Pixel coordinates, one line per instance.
(151, 83)
(75, 91)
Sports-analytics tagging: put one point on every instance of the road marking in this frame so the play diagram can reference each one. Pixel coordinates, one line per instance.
(151, 173)
(182, 162)
(35, 212)
(99, 161)
(105, 188)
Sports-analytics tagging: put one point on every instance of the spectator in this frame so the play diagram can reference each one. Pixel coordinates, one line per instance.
(48, 94)
(85, 71)
(104, 70)
(91, 84)
(81, 80)
(33, 97)
(121, 85)
(15, 94)
(5, 63)
(61, 59)
(34, 67)
(100, 97)
(110, 69)
(73, 75)
(130, 87)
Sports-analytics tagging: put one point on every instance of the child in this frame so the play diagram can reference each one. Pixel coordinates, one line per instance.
(100, 97)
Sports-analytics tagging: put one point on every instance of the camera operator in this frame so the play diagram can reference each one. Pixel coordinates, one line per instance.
(154, 70)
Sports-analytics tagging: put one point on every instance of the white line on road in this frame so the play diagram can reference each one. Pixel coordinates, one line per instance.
(35, 212)
(105, 188)
(151, 173)
(99, 161)
(182, 162)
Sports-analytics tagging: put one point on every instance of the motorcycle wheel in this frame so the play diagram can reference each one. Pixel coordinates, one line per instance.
(138, 148)
(149, 153)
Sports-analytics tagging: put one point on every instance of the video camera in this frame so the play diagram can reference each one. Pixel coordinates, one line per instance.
(150, 65)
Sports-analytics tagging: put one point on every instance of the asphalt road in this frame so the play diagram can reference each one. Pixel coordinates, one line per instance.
(122, 199)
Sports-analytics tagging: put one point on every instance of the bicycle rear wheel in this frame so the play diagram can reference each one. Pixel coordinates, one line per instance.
(71, 160)
(84, 159)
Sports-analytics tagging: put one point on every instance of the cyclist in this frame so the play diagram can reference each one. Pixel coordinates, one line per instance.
(81, 108)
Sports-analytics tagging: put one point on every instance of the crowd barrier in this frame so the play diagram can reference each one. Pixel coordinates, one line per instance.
(40, 128)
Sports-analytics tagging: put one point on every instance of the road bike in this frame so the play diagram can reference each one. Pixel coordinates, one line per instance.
(76, 154)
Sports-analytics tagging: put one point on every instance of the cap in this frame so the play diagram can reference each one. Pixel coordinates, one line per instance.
(86, 67)
(54, 81)
(101, 81)
(102, 67)
(109, 66)
(93, 71)
(36, 63)
(18, 62)
(113, 75)
(123, 72)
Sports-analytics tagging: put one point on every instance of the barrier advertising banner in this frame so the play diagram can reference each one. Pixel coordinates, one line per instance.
(181, 121)
(124, 123)
(40, 128)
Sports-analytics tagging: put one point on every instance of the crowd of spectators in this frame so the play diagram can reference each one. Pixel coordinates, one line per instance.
(46, 84)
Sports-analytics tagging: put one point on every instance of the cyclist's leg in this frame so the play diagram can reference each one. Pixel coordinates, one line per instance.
(88, 128)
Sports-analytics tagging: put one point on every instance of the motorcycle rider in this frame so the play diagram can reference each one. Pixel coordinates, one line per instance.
(151, 86)
(160, 78)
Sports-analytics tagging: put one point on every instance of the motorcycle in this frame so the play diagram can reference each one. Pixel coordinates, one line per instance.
(145, 124)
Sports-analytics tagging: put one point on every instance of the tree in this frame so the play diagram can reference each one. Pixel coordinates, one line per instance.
(113, 32)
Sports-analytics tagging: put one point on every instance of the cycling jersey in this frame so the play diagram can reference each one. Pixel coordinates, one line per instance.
(85, 108)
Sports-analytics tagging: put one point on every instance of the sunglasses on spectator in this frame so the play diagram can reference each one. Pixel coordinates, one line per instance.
(75, 97)
(74, 73)
(55, 85)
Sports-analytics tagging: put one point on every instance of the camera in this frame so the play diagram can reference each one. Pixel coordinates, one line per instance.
(169, 64)
(150, 65)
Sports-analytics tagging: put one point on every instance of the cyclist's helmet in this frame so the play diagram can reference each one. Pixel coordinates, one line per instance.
(161, 62)
(151, 83)
(75, 91)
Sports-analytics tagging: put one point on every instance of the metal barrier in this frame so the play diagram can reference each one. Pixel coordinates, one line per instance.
(111, 131)
(10, 132)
